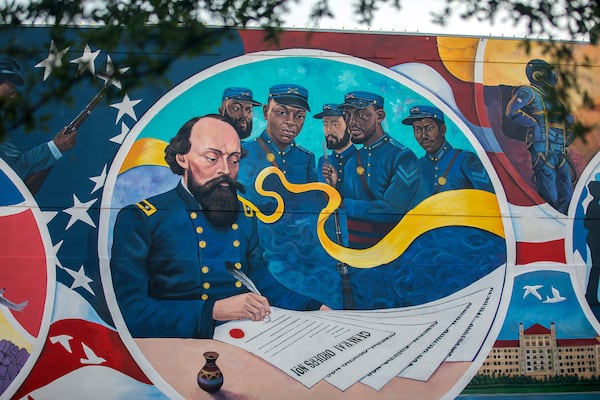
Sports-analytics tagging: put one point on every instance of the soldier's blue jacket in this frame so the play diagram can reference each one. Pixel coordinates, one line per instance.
(390, 171)
(27, 163)
(296, 162)
(451, 169)
(168, 267)
(337, 160)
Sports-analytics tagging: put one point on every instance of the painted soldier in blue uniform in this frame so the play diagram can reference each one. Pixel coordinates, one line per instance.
(381, 180)
(549, 133)
(237, 106)
(169, 251)
(443, 167)
(27, 162)
(342, 149)
(285, 113)
(338, 141)
(379, 186)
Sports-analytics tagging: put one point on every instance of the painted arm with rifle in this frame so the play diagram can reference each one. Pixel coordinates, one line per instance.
(33, 165)
(39, 158)
(63, 141)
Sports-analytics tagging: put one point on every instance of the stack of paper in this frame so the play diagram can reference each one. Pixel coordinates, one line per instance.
(372, 347)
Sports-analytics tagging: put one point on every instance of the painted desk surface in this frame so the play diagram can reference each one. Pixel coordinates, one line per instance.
(247, 377)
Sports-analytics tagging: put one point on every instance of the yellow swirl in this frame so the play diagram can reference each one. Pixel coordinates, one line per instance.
(464, 207)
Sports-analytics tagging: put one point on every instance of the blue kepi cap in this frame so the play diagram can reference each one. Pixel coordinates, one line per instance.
(240, 94)
(360, 99)
(330, 110)
(420, 112)
(290, 95)
(10, 70)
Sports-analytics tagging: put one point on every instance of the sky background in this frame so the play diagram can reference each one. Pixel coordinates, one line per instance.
(414, 17)
(570, 320)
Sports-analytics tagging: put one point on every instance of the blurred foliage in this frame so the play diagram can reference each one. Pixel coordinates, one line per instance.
(185, 27)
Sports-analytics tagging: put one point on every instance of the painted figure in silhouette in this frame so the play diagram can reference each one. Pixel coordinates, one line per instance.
(592, 224)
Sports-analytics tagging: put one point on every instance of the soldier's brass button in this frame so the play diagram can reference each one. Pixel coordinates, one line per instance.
(204, 296)
(236, 243)
(238, 284)
(206, 285)
(205, 270)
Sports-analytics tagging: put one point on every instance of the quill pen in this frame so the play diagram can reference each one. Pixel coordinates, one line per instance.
(242, 277)
(246, 281)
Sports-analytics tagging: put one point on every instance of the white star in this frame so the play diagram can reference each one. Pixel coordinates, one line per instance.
(80, 279)
(79, 212)
(86, 61)
(108, 75)
(119, 138)
(125, 108)
(48, 216)
(99, 180)
(54, 60)
(57, 247)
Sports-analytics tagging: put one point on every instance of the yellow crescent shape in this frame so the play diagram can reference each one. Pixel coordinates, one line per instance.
(464, 207)
(145, 151)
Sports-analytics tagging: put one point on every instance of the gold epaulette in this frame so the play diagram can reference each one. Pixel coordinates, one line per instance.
(146, 207)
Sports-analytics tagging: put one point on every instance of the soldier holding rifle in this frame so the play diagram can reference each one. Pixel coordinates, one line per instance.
(337, 139)
(42, 157)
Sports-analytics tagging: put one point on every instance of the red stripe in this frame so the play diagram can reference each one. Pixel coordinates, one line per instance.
(56, 361)
(369, 241)
(480, 106)
(363, 226)
(518, 192)
(528, 252)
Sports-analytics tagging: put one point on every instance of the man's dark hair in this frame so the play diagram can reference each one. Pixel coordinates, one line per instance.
(180, 143)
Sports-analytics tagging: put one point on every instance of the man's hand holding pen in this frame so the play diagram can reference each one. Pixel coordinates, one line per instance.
(242, 306)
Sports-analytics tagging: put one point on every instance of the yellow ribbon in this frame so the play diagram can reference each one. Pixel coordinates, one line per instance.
(464, 207)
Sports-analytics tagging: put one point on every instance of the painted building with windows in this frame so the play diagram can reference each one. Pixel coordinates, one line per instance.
(538, 353)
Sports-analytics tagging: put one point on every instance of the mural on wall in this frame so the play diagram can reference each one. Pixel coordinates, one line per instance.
(386, 204)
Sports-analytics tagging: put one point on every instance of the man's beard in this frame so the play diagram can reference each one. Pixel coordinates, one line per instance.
(219, 203)
(339, 144)
(242, 133)
(357, 140)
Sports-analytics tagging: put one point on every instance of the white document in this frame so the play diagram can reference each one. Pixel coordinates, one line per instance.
(372, 346)
(305, 347)
(432, 357)
(401, 357)
(472, 340)
(352, 371)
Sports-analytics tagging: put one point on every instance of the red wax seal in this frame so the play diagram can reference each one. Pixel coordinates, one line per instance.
(236, 333)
